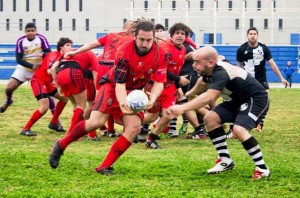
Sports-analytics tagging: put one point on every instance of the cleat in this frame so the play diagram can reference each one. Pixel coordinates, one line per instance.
(112, 134)
(260, 173)
(5, 105)
(230, 135)
(56, 153)
(152, 144)
(259, 127)
(56, 127)
(27, 133)
(92, 136)
(95, 139)
(172, 134)
(197, 135)
(105, 171)
(183, 128)
(221, 166)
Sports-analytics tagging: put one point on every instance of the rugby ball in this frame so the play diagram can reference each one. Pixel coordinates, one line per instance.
(137, 100)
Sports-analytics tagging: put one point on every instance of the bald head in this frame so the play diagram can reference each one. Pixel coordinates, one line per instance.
(205, 60)
(207, 53)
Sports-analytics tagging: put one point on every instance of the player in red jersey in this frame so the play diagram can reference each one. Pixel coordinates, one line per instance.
(172, 90)
(136, 62)
(67, 74)
(43, 87)
(110, 42)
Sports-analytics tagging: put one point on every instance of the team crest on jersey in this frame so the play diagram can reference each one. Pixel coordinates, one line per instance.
(150, 71)
(246, 52)
(109, 101)
(140, 64)
(243, 107)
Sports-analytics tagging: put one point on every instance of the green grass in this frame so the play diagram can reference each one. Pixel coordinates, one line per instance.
(177, 170)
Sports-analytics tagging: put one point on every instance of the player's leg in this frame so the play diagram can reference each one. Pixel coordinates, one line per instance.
(132, 125)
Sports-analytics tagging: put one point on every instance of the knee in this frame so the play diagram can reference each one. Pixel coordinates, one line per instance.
(134, 129)
(43, 109)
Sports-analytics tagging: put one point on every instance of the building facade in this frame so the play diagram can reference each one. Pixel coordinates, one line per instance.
(222, 22)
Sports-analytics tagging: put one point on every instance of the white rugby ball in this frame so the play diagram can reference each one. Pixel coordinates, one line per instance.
(137, 100)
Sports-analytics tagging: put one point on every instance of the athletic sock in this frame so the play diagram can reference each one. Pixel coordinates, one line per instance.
(34, 118)
(253, 149)
(110, 124)
(52, 105)
(59, 108)
(77, 117)
(173, 123)
(152, 137)
(8, 96)
(184, 119)
(117, 149)
(77, 132)
(218, 139)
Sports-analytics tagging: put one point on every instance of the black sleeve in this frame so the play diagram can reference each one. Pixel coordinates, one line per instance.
(46, 51)
(121, 71)
(219, 79)
(173, 77)
(267, 52)
(19, 58)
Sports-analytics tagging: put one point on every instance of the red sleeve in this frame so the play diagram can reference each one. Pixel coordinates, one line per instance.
(189, 41)
(102, 40)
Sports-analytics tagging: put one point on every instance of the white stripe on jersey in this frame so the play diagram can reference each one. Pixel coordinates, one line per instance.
(258, 56)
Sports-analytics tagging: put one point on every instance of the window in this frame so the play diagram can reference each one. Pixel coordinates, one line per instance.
(217, 5)
(258, 5)
(167, 24)
(60, 24)
(67, 6)
(251, 23)
(245, 6)
(189, 4)
(146, 5)
(27, 5)
(153, 20)
(201, 5)
(87, 25)
(266, 24)
(14, 5)
(173, 5)
(280, 24)
(80, 5)
(237, 24)
(124, 21)
(73, 24)
(7, 25)
(47, 24)
(41, 6)
(53, 5)
(229, 5)
(1, 5)
(274, 5)
(20, 24)
(34, 21)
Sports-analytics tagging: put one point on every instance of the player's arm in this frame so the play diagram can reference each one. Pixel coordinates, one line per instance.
(84, 48)
(239, 64)
(198, 88)
(20, 61)
(202, 100)
(53, 74)
(275, 69)
(121, 95)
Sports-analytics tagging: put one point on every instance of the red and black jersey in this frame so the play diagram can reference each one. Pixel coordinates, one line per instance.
(111, 42)
(136, 70)
(84, 59)
(175, 58)
(48, 60)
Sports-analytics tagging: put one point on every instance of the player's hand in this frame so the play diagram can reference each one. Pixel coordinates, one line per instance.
(151, 102)
(179, 94)
(284, 82)
(183, 80)
(174, 111)
(126, 109)
(59, 90)
(69, 54)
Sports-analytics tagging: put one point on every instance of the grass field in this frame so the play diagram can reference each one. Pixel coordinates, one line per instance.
(177, 170)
